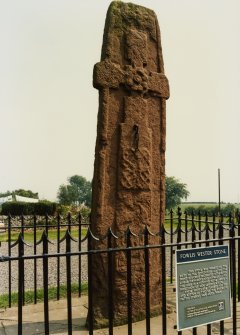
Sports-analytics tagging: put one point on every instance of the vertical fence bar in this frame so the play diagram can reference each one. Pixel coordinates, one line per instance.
(199, 226)
(22, 229)
(147, 284)
(179, 228)
(69, 221)
(47, 224)
(68, 273)
(164, 298)
(238, 255)
(79, 257)
(220, 230)
(230, 232)
(58, 259)
(233, 261)
(90, 295)
(9, 263)
(207, 230)
(171, 249)
(179, 239)
(194, 331)
(209, 326)
(45, 282)
(193, 229)
(220, 242)
(214, 227)
(22, 225)
(186, 228)
(129, 283)
(35, 260)
(20, 282)
(110, 284)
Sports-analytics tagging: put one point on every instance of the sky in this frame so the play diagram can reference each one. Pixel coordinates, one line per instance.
(48, 107)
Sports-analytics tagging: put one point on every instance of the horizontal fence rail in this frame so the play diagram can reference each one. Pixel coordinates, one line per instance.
(44, 254)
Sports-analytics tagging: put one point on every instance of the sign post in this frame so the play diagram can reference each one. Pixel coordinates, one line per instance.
(202, 286)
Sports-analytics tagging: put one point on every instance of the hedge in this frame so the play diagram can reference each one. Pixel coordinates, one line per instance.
(226, 209)
(29, 208)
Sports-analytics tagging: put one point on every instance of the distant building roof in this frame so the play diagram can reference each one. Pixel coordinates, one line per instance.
(17, 198)
(25, 199)
(6, 199)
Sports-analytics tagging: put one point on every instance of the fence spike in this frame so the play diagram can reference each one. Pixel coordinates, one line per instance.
(44, 238)
(79, 217)
(90, 234)
(19, 240)
(110, 233)
(67, 236)
(179, 211)
(129, 232)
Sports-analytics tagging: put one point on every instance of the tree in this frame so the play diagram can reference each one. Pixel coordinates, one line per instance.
(5, 194)
(22, 193)
(175, 192)
(77, 191)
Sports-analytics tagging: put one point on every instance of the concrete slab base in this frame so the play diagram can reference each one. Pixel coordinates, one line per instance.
(33, 321)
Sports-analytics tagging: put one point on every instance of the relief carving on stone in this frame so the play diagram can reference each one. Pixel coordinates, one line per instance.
(128, 184)
(134, 208)
(135, 169)
(135, 157)
(134, 76)
(136, 48)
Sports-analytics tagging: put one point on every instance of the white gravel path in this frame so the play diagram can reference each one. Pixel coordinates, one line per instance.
(52, 266)
(52, 277)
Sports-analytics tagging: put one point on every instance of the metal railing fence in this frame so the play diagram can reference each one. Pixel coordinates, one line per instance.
(180, 231)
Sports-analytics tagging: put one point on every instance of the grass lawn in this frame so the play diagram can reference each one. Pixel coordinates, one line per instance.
(52, 295)
(29, 236)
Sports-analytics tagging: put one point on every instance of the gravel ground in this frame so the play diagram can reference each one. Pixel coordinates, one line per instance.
(52, 267)
(52, 277)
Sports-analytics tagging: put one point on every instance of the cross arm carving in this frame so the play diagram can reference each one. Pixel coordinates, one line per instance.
(107, 74)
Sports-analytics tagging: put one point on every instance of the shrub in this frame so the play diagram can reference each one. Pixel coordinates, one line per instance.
(29, 208)
(226, 209)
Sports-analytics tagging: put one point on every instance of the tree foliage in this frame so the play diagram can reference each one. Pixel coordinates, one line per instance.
(22, 193)
(76, 192)
(175, 192)
(5, 194)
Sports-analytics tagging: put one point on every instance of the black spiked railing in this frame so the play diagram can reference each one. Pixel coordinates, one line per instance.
(58, 259)
(238, 253)
(44, 240)
(20, 282)
(147, 280)
(129, 234)
(90, 238)
(110, 237)
(179, 231)
(164, 296)
(35, 261)
(79, 220)
(68, 238)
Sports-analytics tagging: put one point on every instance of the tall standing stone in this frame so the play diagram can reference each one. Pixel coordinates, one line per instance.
(129, 170)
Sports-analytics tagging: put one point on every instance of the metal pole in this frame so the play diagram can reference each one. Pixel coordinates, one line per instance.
(219, 193)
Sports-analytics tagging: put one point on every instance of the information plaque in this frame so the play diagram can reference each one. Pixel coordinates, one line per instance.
(203, 290)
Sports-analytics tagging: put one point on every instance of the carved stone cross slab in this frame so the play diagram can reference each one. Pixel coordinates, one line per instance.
(129, 170)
